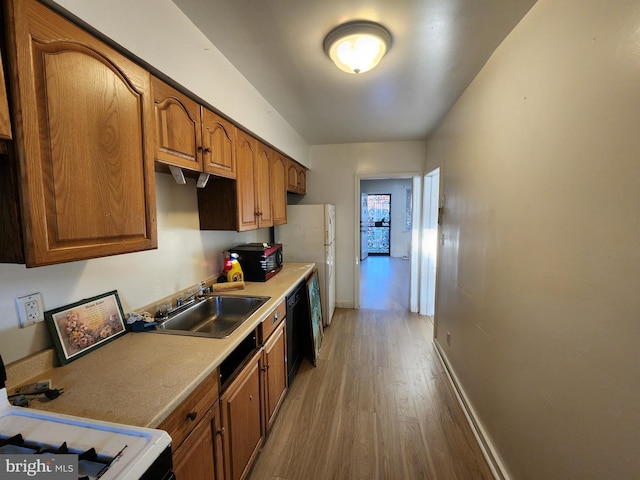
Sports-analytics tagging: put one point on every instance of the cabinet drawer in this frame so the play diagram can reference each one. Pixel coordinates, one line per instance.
(270, 323)
(184, 418)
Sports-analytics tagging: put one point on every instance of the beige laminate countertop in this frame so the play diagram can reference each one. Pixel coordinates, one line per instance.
(140, 378)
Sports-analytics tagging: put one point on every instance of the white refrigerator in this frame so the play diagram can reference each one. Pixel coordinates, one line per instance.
(309, 236)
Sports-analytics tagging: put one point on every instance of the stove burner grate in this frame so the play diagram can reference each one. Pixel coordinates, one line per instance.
(90, 464)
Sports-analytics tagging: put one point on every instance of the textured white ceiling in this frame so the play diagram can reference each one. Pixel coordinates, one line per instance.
(438, 48)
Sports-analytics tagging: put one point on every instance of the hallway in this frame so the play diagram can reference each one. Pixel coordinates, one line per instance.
(384, 283)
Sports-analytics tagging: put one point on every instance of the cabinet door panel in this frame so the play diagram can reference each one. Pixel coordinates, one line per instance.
(218, 434)
(194, 460)
(93, 167)
(218, 145)
(292, 177)
(278, 176)
(263, 188)
(84, 139)
(296, 178)
(242, 421)
(302, 181)
(275, 365)
(178, 132)
(247, 201)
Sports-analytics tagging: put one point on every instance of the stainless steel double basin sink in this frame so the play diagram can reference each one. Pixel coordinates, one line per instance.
(214, 316)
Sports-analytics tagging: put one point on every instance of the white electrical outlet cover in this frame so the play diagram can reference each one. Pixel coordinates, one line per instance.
(30, 309)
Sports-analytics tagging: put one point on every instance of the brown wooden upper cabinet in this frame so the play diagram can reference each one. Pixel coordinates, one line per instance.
(243, 204)
(191, 136)
(253, 194)
(296, 178)
(278, 188)
(218, 145)
(5, 123)
(84, 140)
(178, 130)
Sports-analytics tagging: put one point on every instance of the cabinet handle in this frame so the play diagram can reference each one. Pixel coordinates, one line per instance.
(275, 317)
(199, 148)
(220, 432)
(264, 369)
(192, 416)
(207, 150)
(250, 397)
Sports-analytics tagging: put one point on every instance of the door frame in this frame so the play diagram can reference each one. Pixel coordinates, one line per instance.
(364, 251)
(429, 242)
(416, 216)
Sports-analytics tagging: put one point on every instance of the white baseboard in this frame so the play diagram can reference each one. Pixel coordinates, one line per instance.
(344, 305)
(487, 447)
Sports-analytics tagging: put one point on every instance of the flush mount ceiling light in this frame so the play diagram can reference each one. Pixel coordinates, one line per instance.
(356, 47)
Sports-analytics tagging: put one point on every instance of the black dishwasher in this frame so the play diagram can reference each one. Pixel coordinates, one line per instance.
(298, 332)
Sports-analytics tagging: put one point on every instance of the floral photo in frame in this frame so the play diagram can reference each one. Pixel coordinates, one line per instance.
(79, 328)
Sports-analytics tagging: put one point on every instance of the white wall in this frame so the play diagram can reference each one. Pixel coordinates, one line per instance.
(157, 32)
(400, 244)
(540, 269)
(332, 180)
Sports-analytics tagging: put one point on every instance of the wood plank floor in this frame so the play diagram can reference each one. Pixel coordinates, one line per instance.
(385, 283)
(377, 406)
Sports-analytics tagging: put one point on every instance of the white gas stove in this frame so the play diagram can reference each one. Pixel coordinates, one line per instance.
(105, 450)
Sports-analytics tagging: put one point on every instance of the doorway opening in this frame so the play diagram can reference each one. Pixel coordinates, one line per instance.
(413, 223)
(385, 272)
(378, 224)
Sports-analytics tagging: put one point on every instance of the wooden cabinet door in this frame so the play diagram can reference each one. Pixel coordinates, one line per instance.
(278, 177)
(246, 191)
(218, 137)
(302, 181)
(242, 421)
(195, 432)
(178, 132)
(296, 178)
(5, 123)
(292, 176)
(194, 459)
(85, 141)
(200, 455)
(263, 186)
(218, 435)
(275, 372)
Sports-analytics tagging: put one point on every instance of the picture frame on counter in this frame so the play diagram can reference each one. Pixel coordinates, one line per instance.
(315, 315)
(84, 326)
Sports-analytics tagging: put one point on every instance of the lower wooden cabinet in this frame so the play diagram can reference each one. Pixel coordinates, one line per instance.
(196, 433)
(241, 410)
(275, 373)
(220, 438)
(200, 455)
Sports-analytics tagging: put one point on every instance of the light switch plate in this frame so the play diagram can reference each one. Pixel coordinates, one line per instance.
(30, 309)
